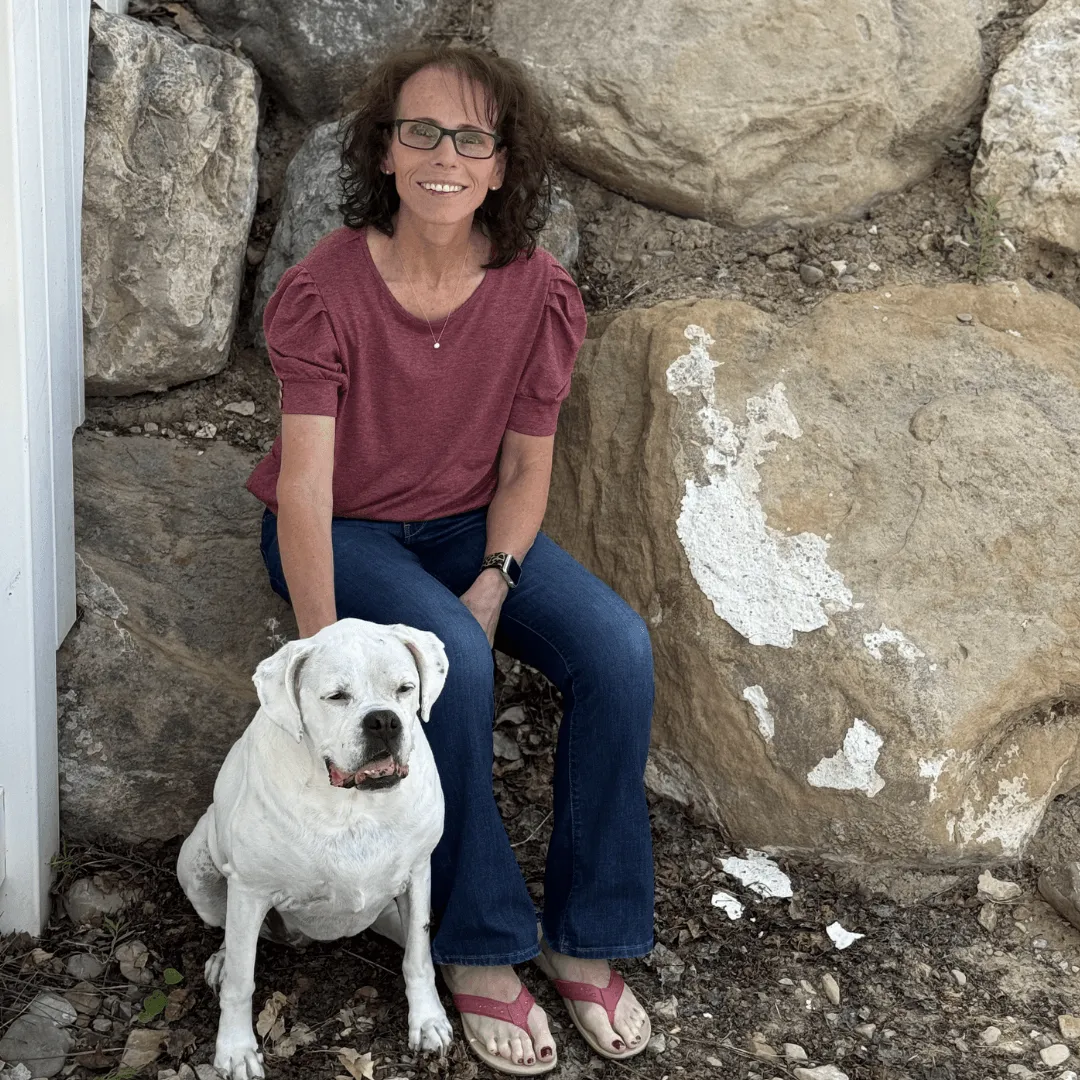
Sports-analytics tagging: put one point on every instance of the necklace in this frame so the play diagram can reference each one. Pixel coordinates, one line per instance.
(461, 270)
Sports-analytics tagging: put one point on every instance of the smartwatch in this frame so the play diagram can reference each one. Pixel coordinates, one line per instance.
(506, 564)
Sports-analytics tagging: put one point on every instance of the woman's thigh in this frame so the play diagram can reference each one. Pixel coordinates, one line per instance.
(569, 624)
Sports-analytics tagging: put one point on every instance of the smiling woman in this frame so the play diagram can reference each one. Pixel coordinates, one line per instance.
(423, 351)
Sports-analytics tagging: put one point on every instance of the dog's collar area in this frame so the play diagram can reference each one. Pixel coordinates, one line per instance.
(377, 774)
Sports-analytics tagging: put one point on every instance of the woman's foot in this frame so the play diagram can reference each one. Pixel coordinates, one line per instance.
(627, 1034)
(497, 1036)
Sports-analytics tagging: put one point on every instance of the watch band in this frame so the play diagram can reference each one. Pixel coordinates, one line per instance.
(506, 564)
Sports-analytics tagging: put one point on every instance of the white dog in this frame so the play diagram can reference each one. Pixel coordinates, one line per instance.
(326, 812)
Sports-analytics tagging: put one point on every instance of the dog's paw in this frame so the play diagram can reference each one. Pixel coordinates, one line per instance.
(214, 969)
(240, 1061)
(430, 1030)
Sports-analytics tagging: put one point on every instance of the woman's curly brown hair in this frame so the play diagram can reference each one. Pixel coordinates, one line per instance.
(512, 216)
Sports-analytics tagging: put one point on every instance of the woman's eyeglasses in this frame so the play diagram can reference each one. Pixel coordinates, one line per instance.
(469, 142)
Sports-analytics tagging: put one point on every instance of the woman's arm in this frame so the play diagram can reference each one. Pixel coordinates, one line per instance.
(305, 493)
(513, 518)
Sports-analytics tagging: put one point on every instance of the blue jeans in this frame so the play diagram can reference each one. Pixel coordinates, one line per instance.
(598, 883)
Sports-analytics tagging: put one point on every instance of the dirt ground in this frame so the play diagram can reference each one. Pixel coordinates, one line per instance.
(934, 969)
(936, 966)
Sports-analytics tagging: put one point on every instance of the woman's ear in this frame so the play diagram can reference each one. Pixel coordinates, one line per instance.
(499, 173)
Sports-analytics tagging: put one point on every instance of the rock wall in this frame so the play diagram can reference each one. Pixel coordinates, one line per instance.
(175, 612)
(168, 198)
(751, 113)
(1029, 160)
(855, 540)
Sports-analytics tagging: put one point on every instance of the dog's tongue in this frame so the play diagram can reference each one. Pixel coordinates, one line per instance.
(382, 767)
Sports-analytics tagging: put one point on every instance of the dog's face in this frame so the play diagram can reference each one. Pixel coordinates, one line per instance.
(355, 691)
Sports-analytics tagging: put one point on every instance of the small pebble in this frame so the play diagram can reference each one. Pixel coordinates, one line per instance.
(241, 408)
(150, 427)
(657, 1044)
(831, 988)
(873, 268)
(822, 1072)
(866, 1030)
(667, 1009)
(794, 1052)
(991, 1036)
(839, 267)
(1056, 1054)
(83, 966)
(965, 318)
(959, 976)
(988, 917)
(997, 889)
(811, 275)
(1069, 1026)
(102, 1025)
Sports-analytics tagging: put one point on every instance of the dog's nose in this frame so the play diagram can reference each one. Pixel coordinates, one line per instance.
(383, 722)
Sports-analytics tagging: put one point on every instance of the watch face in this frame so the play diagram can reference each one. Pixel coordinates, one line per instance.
(511, 569)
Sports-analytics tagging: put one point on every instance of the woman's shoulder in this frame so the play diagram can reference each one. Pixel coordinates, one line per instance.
(330, 255)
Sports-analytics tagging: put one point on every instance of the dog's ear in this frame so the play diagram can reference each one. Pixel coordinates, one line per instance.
(277, 682)
(431, 663)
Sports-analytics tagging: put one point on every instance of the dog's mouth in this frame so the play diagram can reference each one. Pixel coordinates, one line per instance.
(383, 772)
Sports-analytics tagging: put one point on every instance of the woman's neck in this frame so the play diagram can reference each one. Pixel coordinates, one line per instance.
(432, 255)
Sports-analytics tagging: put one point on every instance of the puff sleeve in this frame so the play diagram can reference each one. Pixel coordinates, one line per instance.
(545, 381)
(303, 348)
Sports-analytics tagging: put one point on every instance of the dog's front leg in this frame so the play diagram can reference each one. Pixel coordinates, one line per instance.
(429, 1028)
(237, 1054)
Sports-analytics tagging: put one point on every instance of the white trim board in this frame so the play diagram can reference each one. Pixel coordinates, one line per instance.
(42, 105)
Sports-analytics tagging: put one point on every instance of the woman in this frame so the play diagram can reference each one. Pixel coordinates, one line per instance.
(423, 351)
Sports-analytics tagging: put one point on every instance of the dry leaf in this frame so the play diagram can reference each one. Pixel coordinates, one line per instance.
(270, 1017)
(301, 1035)
(39, 957)
(359, 1065)
(143, 1047)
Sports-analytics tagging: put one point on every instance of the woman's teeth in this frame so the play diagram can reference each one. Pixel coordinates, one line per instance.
(445, 188)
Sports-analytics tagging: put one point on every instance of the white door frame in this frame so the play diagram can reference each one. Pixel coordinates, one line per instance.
(43, 57)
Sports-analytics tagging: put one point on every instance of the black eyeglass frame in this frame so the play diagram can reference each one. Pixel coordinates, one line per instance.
(453, 133)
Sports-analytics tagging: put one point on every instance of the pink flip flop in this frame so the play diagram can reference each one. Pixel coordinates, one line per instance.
(608, 997)
(515, 1012)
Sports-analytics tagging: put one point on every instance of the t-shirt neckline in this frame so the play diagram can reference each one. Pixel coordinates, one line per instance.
(418, 322)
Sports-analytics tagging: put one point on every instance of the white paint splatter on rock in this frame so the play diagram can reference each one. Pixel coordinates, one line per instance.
(763, 582)
(905, 648)
(755, 695)
(854, 766)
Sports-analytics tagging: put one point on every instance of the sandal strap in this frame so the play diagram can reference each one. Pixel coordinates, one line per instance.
(607, 996)
(515, 1012)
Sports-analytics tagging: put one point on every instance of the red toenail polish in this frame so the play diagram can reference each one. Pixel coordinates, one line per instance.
(545, 1052)
(531, 1061)
(618, 1044)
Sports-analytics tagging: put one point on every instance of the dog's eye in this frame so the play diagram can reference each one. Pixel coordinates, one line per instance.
(405, 688)
(337, 695)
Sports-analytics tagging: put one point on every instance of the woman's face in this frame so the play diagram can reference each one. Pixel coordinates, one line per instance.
(442, 97)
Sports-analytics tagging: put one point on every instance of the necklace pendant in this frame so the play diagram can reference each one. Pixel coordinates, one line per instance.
(436, 344)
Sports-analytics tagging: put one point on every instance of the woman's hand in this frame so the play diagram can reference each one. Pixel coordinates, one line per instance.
(484, 598)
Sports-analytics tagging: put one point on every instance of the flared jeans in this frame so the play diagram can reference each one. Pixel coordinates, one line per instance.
(565, 622)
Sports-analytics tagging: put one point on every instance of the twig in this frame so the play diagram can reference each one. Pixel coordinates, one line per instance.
(357, 956)
(534, 832)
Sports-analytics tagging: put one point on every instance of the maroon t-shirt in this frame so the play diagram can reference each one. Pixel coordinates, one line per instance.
(418, 429)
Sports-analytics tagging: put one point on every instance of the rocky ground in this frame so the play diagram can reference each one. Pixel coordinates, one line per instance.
(944, 984)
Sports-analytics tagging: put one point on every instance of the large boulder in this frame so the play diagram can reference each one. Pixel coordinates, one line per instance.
(168, 197)
(1029, 158)
(856, 539)
(749, 113)
(315, 53)
(310, 210)
(175, 611)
